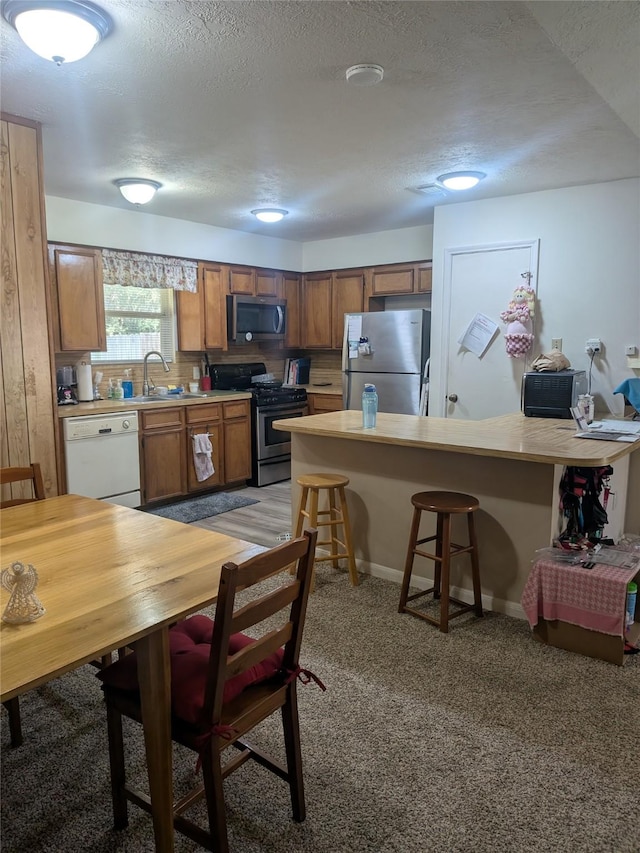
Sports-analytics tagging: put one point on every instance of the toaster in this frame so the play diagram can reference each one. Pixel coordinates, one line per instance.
(552, 395)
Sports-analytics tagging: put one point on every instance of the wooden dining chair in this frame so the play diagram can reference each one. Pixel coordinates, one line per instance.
(32, 474)
(223, 683)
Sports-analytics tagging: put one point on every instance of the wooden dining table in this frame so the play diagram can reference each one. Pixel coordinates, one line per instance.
(109, 577)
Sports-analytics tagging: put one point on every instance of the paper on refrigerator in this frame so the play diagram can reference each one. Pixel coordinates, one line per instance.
(354, 333)
(478, 334)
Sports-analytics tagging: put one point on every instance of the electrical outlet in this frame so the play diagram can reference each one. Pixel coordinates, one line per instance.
(631, 350)
(556, 343)
(593, 346)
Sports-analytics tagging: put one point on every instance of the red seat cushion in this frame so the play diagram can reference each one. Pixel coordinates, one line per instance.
(190, 645)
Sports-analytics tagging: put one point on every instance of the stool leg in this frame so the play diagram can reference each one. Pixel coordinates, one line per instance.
(437, 566)
(475, 565)
(333, 527)
(346, 527)
(313, 522)
(299, 522)
(446, 560)
(408, 565)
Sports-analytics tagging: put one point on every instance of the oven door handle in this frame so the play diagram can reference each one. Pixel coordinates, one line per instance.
(284, 408)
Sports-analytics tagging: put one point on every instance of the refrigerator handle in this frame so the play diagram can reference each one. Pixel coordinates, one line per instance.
(345, 345)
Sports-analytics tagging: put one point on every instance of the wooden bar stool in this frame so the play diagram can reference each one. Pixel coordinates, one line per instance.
(338, 516)
(445, 504)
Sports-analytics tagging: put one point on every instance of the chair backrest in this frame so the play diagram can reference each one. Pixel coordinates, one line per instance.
(288, 599)
(21, 475)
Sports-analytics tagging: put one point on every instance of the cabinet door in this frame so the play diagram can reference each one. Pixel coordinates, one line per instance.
(190, 319)
(425, 277)
(163, 464)
(242, 280)
(237, 441)
(393, 279)
(347, 297)
(215, 307)
(76, 276)
(268, 283)
(214, 432)
(292, 288)
(316, 311)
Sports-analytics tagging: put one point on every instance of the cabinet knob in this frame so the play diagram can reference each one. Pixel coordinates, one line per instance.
(453, 398)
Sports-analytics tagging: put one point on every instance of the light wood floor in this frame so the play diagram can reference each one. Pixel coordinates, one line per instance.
(261, 523)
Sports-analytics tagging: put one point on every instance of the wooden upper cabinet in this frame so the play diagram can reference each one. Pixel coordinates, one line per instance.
(292, 292)
(347, 297)
(399, 279)
(425, 277)
(395, 279)
(268, 283)
(316, 311)
(242, 280)
(201, 317)
(78, 299)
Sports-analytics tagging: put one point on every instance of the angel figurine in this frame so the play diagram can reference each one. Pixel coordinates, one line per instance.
(23, 605)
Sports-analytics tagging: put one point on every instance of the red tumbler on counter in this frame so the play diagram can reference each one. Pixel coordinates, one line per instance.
(205, 383)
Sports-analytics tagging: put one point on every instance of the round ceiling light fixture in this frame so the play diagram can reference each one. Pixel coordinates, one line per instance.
(461, 180)
(269, 214)
(365, 74)
(137, 190)
(58, 30)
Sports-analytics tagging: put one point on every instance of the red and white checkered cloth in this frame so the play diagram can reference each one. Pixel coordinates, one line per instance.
(592, 598)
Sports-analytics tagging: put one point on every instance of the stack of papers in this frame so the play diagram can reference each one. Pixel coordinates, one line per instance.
(607, 430)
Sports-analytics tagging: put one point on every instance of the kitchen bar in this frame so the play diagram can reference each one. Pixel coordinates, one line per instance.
(512, 464)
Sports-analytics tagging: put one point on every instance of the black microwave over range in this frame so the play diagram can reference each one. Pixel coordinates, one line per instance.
(255, 318)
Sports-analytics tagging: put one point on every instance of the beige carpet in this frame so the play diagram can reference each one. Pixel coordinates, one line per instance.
(480, 740)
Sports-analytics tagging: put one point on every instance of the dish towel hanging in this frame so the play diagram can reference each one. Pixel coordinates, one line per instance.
(202, 450)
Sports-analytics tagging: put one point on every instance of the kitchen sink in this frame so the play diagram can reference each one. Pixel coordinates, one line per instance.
(165, 398)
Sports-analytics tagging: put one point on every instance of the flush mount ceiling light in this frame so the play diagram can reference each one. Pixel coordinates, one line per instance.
(365, 75)
(461, 180)
(58, 30)
(269, 214)
(137, 190)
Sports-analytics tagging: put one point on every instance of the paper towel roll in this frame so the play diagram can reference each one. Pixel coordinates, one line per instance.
(85, 386)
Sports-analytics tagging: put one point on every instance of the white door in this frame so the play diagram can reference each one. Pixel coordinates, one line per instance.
(482, 279)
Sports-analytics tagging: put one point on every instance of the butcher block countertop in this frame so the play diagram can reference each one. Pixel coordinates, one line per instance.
(512, 436)
(102, 407)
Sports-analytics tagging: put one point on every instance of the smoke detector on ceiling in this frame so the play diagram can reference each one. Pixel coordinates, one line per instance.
(365, 75)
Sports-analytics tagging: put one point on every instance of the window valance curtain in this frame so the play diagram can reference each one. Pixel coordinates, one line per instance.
(135, 270)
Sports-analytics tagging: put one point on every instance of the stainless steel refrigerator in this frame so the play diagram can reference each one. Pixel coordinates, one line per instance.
(391, 350)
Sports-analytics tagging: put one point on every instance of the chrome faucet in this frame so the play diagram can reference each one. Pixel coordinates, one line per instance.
(147, 383)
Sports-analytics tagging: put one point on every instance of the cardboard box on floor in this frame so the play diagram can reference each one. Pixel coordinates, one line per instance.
(593, 644)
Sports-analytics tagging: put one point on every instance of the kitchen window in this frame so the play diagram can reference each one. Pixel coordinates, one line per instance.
(138, 319)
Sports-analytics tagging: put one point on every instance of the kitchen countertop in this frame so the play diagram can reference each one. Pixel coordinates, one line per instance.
(514, 436)
(323, 389)
(101, 407)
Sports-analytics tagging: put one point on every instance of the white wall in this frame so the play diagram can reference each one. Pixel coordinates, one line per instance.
(98, 225)
(383, 247)
(589, 270)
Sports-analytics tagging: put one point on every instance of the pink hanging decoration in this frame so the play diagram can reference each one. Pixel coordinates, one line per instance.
(519, 318)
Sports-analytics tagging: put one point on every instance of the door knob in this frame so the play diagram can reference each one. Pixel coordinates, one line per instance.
(453, 398)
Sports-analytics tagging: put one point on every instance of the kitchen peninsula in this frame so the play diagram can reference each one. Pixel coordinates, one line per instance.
(512, 464)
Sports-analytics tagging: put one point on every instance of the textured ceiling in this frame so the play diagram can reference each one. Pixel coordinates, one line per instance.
(238, 105)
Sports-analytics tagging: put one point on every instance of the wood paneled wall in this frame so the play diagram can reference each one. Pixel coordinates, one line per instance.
(26, 394)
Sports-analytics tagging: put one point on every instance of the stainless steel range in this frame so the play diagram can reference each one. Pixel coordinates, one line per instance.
(271, 401)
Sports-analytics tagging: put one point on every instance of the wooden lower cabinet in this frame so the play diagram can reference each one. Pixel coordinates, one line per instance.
(167, 465)
(205, 419)
(319, 403)
(164, 473)
(237, 441)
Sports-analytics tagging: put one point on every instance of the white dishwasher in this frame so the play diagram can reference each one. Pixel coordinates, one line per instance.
(101, 457)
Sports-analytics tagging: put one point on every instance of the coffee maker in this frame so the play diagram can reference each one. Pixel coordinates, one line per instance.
(66, 386)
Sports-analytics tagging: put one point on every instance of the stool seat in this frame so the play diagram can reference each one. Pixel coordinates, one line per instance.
(334, 517)
(444, 504)
(453, 502)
